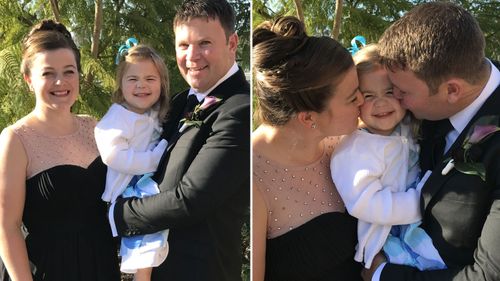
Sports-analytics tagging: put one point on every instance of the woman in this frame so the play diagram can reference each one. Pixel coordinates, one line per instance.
(51, 174)
(307, 91)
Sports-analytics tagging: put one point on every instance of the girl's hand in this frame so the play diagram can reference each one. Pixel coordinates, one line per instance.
(160, 149)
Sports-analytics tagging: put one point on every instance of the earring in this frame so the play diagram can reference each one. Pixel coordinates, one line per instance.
(313, 125)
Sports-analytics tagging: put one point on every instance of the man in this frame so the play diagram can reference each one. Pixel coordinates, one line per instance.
(436, 56)
(204, 174)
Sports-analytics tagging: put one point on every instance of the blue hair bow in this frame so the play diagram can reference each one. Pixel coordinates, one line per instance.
(354, 44)
(122, 51)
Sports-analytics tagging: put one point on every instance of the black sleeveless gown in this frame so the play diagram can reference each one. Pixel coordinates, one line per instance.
(68, 235)
(319, 250)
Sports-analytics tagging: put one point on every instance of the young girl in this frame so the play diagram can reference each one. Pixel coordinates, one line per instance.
(127, 138)
(376, 172)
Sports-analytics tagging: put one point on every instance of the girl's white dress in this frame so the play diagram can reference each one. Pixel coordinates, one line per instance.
(128, 144)
(376, 177)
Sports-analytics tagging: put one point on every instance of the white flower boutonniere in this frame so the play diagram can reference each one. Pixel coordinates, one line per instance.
(467, 157)
(199, 113)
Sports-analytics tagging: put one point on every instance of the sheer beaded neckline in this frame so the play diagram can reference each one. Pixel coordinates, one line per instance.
(328, 146)
(295, 195)
(42, 134)
(274, 164)
(45, 152)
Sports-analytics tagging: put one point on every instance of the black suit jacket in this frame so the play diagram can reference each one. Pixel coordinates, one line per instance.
(461, 213)
(205, 190)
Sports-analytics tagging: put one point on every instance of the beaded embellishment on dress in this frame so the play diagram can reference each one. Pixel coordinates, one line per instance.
(45, 152)
(295, 195)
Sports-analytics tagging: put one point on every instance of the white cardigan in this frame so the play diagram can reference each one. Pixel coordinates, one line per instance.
(371, 174)
(127, 143)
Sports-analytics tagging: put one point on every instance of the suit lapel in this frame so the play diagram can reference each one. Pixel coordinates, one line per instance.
(436, 181)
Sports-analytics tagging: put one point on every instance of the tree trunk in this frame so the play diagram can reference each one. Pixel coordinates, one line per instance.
(298, 8)
(338, 19)
(94, 49)
(55, 10)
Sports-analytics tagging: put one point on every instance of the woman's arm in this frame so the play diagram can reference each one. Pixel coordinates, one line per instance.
(13, 163)
(259, 233)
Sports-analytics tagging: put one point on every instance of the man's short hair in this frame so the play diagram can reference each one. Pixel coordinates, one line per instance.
(436, 41)
(207, 9)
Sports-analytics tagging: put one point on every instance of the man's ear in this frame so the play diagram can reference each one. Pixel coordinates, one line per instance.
(455, 90)
(233, 42)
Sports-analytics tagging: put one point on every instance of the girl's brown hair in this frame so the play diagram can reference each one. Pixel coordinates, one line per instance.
(138, 53)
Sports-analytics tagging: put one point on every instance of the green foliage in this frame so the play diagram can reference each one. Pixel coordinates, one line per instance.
(243, 31)
(371, 17)
(488, 15)
(15, 98)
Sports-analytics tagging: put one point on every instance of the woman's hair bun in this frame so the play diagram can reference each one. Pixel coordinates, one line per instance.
(281, 27)
(50, 25)
(289, 27)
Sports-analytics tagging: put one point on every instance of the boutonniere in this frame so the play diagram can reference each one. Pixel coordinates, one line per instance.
(200, 111)
(467, 158)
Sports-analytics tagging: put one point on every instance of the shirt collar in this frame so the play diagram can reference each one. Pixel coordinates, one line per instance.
(462, 118)
(229, 73)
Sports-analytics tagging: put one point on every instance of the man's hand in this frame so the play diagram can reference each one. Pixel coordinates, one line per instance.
(367, 274)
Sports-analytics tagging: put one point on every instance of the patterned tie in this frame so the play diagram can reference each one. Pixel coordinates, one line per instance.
(444, 127)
